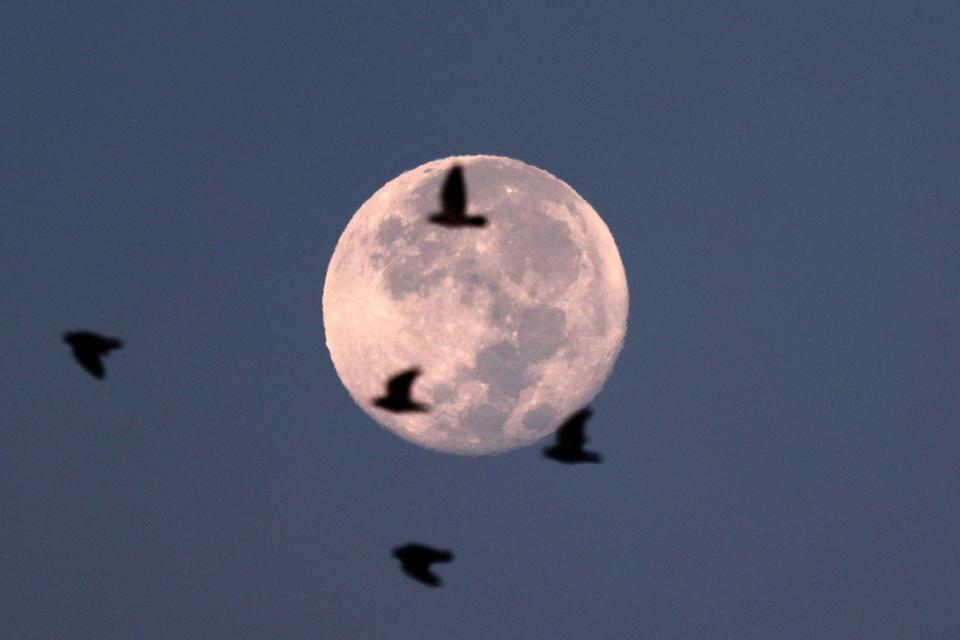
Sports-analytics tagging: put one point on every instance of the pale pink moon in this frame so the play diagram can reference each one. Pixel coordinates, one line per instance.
(515, 325)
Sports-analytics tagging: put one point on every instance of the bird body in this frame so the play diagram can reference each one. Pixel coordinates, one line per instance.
(570, 440)
(398, 398)
(88, 349)
(415, 560)
(453, 200)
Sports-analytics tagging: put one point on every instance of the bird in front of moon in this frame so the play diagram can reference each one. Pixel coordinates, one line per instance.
(89, 348)
(398, 394)
(570, 440)
(515, 325)
(453, 200)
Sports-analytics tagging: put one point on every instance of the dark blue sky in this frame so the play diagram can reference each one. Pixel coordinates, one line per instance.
(780, 432)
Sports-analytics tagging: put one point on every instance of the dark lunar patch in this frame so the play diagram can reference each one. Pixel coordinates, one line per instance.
(417, 272)
(485, 422)
(503, 368)
(501, 309)
(408, 278)
(466, 271)
(542, 246)
(466, 266)
(540, 418)
(540, 332)
(443, 394)
(390, 231)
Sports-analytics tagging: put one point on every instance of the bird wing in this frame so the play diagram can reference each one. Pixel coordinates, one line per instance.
(437, 555)
(421, 573)
(415, 553)
(571, 433)
(89, 361)
(109, 344)
(400, 384)
(94, 342)
(454, 196)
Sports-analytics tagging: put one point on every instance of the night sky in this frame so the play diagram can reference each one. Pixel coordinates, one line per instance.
(780, 432)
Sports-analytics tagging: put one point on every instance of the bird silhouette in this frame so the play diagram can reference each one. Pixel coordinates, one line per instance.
(570, 441)
(89, 348)
(453, 200)
(415, 560)
(398, 398)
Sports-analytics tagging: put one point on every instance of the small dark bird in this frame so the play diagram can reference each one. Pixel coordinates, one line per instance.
(89, 348)
(415, 559)
(570, 441)
(453, 199)
(398, 394)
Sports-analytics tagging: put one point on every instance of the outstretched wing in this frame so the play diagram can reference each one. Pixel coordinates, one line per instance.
(89, 360)
(571, 433)
(437, 555)
(454, 196)
(420, 572)
(422, 554)
(416, 559)
(111, 344)
(400, 384)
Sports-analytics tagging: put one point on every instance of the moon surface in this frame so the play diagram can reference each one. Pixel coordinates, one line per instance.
(514, 325)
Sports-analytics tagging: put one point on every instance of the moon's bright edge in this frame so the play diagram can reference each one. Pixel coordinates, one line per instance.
(514, 325)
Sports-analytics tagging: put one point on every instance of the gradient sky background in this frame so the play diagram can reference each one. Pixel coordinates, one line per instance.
(780, 432)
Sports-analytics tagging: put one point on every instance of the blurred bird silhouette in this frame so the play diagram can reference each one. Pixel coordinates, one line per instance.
(570, 441)
(415, 560)
(453, 199)
(398, 394)
(89, 348)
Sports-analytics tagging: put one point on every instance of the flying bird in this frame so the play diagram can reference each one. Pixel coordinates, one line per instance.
(398, 394)
(89, 348)
(415, 560)
(453, 200)
(570, 441)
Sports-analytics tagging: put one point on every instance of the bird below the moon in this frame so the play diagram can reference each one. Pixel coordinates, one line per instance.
(453, 200)
(415, 560)
(570, 440)
(398, 397)
(89, 348)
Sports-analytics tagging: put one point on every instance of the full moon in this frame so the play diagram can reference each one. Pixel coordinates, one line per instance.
(514, 325)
